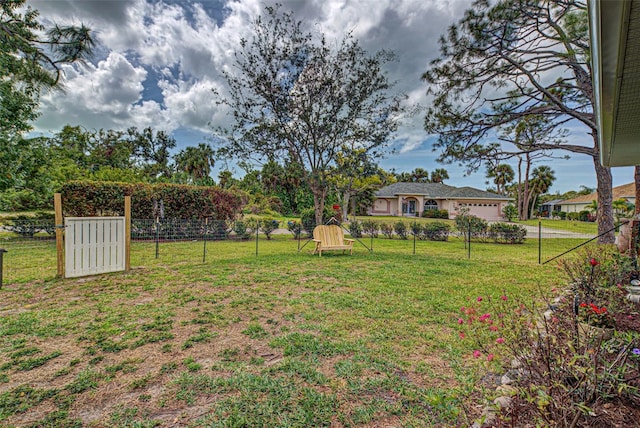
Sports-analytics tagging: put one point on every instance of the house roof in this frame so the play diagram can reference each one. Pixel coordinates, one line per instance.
(615, 54)
(554, 202)
(436, 191)
(625, 191)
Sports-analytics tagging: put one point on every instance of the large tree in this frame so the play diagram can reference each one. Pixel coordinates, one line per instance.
(31, 57)
(542, 177)
(502, 175)
(295, 94)
(196, 162)
(508, 60)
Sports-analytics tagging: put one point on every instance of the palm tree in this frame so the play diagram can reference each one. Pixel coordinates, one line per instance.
(502, 175)
(438, 175)
(541, 180)
(420, 175)
(622, 208)
(196, 162)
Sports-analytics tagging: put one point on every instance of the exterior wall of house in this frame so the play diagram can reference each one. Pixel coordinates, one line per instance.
(573, 208)
(383, 206)
(487, 209)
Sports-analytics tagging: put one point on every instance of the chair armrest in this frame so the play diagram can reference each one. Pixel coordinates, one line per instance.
(350, 240)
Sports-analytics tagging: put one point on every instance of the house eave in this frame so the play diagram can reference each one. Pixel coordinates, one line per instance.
(616, 79)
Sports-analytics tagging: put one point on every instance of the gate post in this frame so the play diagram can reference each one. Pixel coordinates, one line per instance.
(59, 227)
(127, 233)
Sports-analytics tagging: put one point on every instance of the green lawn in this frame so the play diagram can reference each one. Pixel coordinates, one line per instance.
(279, 339)
(585, 227)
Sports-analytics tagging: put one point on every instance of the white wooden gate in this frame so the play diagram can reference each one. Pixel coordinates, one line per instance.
(94, 245)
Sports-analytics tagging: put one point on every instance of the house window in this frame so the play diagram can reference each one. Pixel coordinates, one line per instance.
(430, 205)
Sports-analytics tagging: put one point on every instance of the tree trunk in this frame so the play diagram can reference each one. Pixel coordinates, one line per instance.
(345, 204)
(354, 200)
(605, 203)
(319, 194)
(520, 188)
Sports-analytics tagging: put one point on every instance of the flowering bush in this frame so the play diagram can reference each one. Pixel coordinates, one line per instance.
(595, 316)
(559, 379)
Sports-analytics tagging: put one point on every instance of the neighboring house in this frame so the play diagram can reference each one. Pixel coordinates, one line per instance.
(580, 203)
(548, 208)
(411, 199)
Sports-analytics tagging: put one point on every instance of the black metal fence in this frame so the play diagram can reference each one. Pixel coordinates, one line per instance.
(31, 249)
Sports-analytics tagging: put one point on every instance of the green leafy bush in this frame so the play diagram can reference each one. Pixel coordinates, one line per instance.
(573, 216)
(510, 211)
(294, 227)
(416, 230)
(507, 233)
(268, 226)
(400, 229)
(387, 230)
(92, 198)
(469, 224)
(436, 231)
(355, 229)
(435, 213)
(370, 228)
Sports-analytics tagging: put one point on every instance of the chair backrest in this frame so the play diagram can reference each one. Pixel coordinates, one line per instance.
(329, 235)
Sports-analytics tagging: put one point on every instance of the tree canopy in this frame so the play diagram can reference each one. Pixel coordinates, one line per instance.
(297, 95)
(31, 57)
(509, 60)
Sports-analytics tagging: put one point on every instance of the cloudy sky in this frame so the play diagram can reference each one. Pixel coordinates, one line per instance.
(157, 62)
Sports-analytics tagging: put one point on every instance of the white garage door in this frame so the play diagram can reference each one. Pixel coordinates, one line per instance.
(487, 211)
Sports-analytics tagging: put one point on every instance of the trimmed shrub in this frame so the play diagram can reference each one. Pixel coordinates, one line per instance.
(355, 229)
(507, 233)
(93, 198)
(387, 230)
(27, 226)
(416, 230)
(370, 228)
(400, 228)
(435, 213)
(436, 231)
(268, 226)
(573, 216)
(466, 224)
(294, 227)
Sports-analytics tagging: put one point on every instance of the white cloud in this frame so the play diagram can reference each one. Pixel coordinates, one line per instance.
(108, 95)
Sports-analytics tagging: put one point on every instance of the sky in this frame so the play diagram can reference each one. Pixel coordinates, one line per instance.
(157, 63)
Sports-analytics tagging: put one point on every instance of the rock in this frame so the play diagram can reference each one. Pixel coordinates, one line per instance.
(506, 379)
(506, 390)
(503, 402)
(516, 363)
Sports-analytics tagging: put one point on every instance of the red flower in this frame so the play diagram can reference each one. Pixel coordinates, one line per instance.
(594, 262)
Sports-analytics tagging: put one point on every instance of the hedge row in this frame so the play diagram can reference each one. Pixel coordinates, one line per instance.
(93, 198)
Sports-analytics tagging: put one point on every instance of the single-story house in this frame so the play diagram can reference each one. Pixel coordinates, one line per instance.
(580, 203)
(411, 199)
(548, 208)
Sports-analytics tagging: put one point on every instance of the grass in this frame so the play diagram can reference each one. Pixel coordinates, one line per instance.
(280, 339)
(583, 227)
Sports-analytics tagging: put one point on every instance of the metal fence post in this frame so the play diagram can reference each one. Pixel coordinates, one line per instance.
(415, 223)
(2, 251)
(469, 235)
(539, 242)
(157, 237)
(204, 250)
(257, 230)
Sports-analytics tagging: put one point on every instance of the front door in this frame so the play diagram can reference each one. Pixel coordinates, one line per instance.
(409, 207)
